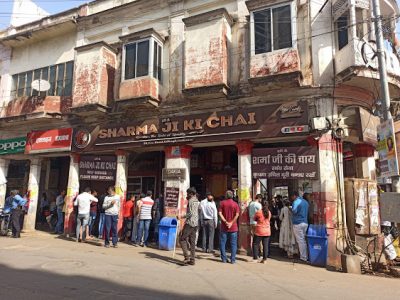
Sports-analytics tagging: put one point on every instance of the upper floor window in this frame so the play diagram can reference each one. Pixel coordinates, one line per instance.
(272, 29)
(342, 27)
(59, 76)
(143, 58)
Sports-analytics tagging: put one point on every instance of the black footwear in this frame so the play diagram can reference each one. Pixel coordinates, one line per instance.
(191, 262)
(115, 246)
(186, 262)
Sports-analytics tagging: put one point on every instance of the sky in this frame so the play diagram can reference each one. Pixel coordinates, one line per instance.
(51, 6)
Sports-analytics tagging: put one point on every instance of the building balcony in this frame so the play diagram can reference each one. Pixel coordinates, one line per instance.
(279, 68)
(207, 37)
(94, 79)
(142, 91)
(357, 65)
(35, 109)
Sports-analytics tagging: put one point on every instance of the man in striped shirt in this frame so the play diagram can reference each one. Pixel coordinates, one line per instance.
(145, 206)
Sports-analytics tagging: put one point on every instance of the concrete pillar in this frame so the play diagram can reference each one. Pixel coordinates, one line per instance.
(4, 163)
(72, 192)
(178, 157)
(365, 161)
(176, 48)
(244, 193)
(121, 182)
(330, 198)
(33, 192)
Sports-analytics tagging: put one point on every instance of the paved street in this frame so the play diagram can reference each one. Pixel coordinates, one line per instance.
(42, 266)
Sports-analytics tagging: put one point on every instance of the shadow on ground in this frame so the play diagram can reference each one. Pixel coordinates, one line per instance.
(41, 284)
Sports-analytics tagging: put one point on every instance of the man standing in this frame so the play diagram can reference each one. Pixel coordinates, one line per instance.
(102, 215)
(14, 204)
(208, 222)
(229, 213)
(300, 223)
(60, 214)
(111, 205)
(188, 235)
(83, 201)
(145, 206)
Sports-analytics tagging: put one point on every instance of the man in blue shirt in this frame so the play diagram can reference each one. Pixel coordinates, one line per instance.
(14, 204)
(300, 223)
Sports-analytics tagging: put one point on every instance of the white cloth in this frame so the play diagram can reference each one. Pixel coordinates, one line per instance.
(83, 202)
(112, 209)
(287, 240)
(209, 211)
(299, 232)
(390, 251)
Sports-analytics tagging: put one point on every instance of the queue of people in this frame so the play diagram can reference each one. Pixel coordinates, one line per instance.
(289, 219)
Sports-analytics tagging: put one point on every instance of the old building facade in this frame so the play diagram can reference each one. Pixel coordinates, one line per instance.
(199, 87)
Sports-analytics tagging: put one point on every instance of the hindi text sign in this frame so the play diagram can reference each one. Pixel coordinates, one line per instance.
(285, 163)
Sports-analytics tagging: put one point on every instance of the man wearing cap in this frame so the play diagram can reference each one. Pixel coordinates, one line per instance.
(188, 235)
(208, 222)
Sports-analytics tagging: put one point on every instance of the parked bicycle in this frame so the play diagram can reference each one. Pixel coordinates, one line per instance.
(5, 222)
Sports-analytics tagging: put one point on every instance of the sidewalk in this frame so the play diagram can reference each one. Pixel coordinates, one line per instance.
(42, 266)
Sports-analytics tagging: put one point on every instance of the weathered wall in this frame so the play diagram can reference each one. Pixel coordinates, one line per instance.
(30, 105)
(94, 75)
(5, 77)
(140, 87)
(206, 54)
(273, 63)
(48, 52)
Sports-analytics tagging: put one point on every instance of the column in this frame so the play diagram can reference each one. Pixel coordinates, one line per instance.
(176, 49)
(72, 192)
(178, 157)
(121, 182)
(4, 163)
(244, 192)
(33, 192)
(330, 198)
(365, 161)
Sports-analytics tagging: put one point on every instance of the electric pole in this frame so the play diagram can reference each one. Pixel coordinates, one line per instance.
(380, 52)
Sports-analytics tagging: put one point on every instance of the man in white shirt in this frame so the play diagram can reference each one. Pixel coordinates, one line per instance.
(111, 205)
(83, 201)
(145, 208)
(208, 221)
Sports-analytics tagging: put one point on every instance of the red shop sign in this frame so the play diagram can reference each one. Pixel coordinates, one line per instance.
(55, 140)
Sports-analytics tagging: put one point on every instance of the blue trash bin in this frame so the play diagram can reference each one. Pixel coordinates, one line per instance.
(317, 244)
(167, 233)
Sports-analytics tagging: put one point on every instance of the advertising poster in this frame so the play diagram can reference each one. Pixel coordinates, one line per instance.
(388, 163)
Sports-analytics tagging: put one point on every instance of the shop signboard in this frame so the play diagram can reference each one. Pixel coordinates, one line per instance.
(171, 197)
(388, 163)
(173, 174)
(246, 123)
(13, 146)
(55, 140)
(285, 163)
(98, 168)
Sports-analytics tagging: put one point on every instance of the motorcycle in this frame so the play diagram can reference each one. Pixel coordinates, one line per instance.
(5, 222)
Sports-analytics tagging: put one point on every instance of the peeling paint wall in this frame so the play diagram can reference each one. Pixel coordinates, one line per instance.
(273, 63)
(206, 54)
(94, 76)
(138, 88)
(31, 105)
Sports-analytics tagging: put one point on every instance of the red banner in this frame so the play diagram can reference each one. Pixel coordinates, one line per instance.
(55, 140)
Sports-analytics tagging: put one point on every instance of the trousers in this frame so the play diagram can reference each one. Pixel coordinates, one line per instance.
(208, 227)
(188, 241)
(299, 231)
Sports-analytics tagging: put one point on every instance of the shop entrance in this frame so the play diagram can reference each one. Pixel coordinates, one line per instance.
(141, 184)
(53, 180)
